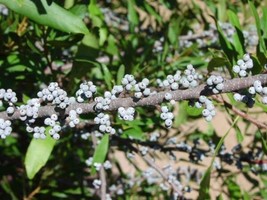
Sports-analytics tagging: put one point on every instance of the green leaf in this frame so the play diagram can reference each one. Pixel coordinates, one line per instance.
(91, 40)
(132, 15)
(50, 15)
(193, 111)
(205, 182)
(264, 21)
(238, 39)
(174, 30)
(219, 197)
(107, 76)
(152, 12)
(205, 185)
(94, 9)
(263, 142)
(79, 10)
(133, 133)
(233, 189)
(239, 135)
(100, 152)
(234, 19)
(221, 9)
(38, 154)
(120, 74)
(112, 48)
(258, 26)
(226, 47)
(257, 67)
(217, 62)
(103, 35)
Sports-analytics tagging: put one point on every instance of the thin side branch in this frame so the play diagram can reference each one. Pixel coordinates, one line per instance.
(241, 113)
(163, 175)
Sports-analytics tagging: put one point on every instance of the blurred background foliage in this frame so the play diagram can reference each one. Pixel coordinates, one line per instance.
(74, 40)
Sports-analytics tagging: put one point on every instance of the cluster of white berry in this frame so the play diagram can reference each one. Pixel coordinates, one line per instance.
(189, 79)
(10, 97)
(141, 89)
(102, 103)
(29, 112)
(103, 120)
(209, 110)
(86, 91)
(171, 80)
(168, 96)
(55, 126)
(154, 136)
(128, 81)
(215, 84)
(251, 37)
(38, 131)
(260, 90)
(243, 66)
(97, 166)
(3, 10)
(126, 114)
(97, 183)
(84, 134)
(55, 95)
(249, 99)
(74, 117)
(107, 164)
(166, 116)
(144, 150)
(89, 161)
(5, 128)
(118, 190)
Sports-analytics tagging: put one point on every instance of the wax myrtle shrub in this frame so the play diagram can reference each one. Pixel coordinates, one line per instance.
(133, 99)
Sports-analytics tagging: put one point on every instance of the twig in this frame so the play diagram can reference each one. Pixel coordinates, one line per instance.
(103, 183)
(177, 95)
(33, 193)
(157, 168)
(241, 113)
(193, 36)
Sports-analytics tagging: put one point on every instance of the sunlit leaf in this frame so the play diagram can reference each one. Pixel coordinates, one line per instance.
(38, 154)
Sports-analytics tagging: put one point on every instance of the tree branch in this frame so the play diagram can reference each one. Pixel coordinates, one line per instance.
(178, 95)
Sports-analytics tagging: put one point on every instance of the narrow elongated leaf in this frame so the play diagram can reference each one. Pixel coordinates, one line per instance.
(107, 76)
(120, 74)
(238, 39)
(258, 26)
(264, 21)
(132, 15)
(50, 15)
(239, 135)
(152, 11)
(38, 154)
(205, 182)
(263, 142)
(100, 152)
